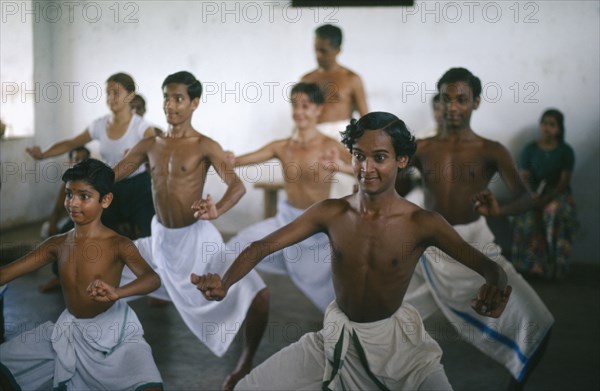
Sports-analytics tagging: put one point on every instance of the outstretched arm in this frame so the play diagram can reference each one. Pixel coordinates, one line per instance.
(309, 223)
(147, 280)
(133, 159)
(493, 295)
(60, 147)
(259, 156)
(42, 255)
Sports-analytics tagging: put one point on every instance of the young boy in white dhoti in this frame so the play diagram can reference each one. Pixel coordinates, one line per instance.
(183, 240)
(309, 160)
(457, 166)
(370, 338)
(97, 342)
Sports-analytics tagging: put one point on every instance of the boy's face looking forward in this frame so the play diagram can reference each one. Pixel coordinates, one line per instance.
(83, 202)
(375, 163)
(458, 104)
(177, 105)
(305, 112)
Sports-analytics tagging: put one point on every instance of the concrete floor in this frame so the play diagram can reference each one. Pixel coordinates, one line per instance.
(572, 360)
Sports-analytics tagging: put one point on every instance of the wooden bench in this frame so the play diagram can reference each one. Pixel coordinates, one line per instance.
(270, 196)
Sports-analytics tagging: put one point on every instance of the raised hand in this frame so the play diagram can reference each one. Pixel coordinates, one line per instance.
(35, 152)
(210, 285)
(491, 301)
(98, 290)
(205, 209)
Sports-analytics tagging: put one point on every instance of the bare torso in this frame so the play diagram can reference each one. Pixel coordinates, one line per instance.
(83, 260)
(178, 167)
(453, 171)
(307, 179)
(371, 267)
(339, 90)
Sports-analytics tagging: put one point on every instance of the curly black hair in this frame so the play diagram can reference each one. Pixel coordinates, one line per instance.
(402, 140)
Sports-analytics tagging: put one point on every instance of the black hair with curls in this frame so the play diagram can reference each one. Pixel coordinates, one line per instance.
(402, 140)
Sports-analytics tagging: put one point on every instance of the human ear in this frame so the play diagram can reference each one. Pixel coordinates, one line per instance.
(402, 161)
(476, 102)
(195, 103)
(106, 200)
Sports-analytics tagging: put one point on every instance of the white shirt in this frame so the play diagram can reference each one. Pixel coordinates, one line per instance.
(112, 151)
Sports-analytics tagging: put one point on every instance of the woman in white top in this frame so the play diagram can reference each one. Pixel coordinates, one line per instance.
(117, 133)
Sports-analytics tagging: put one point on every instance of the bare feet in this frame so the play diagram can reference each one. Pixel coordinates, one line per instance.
(51, 285)
(157, 303)
(235, 376)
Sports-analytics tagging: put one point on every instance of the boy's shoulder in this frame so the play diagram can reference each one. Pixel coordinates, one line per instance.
(195, 139)
(118, 244)
(332, 207)
(280, 142)
(57, 240)
(413, 212)
(111, 237)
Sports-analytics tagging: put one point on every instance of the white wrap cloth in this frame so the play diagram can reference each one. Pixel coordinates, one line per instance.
(441, 282)
(393, 353)
(308, 263)
(107, 352)
(176, 253)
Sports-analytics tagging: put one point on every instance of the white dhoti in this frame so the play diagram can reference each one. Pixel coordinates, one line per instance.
(393, 353)
(343, 184)
(176, 253)
(308, 263)
(107, 352)
(441, 281)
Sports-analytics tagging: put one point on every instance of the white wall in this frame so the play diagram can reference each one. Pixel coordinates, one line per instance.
(529, 55)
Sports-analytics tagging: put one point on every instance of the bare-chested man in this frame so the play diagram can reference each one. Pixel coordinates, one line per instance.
(457, 166)
(182, 239)
(370, 339)
(309, 160)
(342, 88)
(97, 342)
